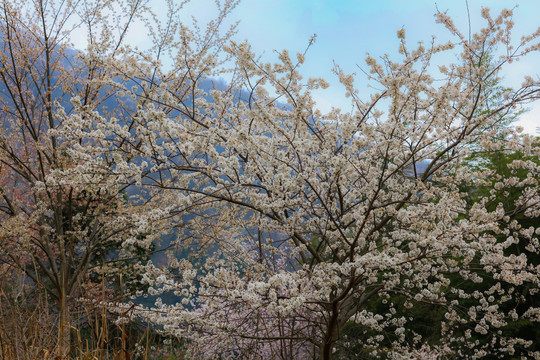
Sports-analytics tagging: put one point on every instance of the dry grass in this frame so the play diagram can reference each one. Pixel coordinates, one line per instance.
(28, 329)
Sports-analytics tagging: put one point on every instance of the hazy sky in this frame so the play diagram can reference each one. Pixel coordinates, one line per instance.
(347, 29)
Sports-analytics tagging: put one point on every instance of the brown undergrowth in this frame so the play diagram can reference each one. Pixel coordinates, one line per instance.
(28, 328)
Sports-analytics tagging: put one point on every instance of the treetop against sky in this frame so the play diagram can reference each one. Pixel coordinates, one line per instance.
(347, 29)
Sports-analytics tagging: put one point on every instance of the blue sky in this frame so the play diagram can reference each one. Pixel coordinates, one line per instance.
(347, 29)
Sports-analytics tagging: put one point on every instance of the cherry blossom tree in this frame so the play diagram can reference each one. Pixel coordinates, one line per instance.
(60, 219)
(300, 221)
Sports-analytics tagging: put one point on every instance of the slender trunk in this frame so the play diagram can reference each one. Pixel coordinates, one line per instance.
(64, 328)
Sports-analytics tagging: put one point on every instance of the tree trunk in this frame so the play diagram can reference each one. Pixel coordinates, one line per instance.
(332, 334)
(64, 327)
